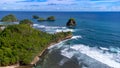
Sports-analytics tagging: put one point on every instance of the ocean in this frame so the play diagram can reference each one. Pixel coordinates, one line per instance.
(95, 42)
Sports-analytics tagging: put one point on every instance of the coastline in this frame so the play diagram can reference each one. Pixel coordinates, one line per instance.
(37, 58)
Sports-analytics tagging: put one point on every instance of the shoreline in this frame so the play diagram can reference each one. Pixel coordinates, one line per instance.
(37, 58)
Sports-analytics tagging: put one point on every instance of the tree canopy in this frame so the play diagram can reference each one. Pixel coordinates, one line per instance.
(26, 21)
(21, 43)
(9, 18)
(51, 18)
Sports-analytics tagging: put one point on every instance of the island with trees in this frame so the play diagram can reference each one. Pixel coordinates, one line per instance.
(51, 18)
(35, 17)
(20, 43)
(41, 19)
(9, 18)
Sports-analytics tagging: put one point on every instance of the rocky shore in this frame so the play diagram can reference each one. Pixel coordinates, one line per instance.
(44, 52)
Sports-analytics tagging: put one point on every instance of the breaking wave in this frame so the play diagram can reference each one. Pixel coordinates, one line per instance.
(53, 29)
(109, 56)
(100, 54)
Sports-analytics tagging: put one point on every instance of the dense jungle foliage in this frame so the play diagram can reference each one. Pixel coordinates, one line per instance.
(21, 43)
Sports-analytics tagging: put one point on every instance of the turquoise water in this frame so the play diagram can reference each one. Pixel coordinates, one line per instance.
(95, 38)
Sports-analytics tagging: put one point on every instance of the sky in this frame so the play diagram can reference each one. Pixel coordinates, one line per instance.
(60, 5)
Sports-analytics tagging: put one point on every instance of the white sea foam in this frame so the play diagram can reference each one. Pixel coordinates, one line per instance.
(38, 26)
(106, 58)
(110, 59)
(63, 61)
(35, 25)
(103, 48)
(67, 53)
(113, 49)
(58, 45)
(53, 29)
(64, 30)
(76, 37)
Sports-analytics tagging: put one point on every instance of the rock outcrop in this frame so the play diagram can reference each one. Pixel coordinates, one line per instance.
(71, 22)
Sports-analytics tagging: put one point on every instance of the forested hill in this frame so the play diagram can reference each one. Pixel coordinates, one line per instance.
(21, 43)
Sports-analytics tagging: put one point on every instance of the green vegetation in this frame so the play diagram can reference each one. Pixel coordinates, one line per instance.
(72, 19)
(26, 21)
(51, 18)
(0, 29)
(21, 43)
(9, 18)
(35, 17)
(41, 19)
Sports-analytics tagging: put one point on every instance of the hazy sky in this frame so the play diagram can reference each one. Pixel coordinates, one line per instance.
(60, 5)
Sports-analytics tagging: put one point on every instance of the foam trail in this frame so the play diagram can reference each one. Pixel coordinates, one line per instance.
(58, 45)
(63, 61)
(95, 53)
(112, 49)
(103, 48)
(64, 30)
(76, 37)
(53, 29)
(67, 53)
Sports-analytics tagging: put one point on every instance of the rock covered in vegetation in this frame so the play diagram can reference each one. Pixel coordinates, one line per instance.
(35, 17)
(26, 21)
(9, 18)
(51, 18)
(41, 19)
(71, 22)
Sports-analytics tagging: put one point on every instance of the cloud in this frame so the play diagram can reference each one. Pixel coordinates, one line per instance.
(61, 5)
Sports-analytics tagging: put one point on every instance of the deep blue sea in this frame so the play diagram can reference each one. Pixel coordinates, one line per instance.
(96, 38)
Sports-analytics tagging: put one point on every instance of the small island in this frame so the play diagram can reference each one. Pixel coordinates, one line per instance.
(71, 22)
(20, 43)
(51, 18)
(9, 18)
(35, 17)
(41, 20)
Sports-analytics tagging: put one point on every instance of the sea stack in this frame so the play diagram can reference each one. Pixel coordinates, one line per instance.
(71, 22)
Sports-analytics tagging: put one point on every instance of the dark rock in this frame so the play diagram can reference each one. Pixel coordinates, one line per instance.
(71, 22)
(41, 19)
(35, 17)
